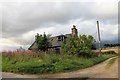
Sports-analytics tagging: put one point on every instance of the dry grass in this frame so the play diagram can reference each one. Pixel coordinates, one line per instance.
(116, 49)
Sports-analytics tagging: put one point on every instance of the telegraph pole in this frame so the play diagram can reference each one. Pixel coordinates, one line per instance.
(98, 37)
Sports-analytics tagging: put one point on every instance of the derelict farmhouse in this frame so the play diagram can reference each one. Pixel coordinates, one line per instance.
(55, 41)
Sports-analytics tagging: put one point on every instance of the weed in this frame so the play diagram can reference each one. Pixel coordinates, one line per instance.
(40, 63)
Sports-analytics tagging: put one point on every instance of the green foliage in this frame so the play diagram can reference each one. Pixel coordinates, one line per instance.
(70, 46)
(39, 63)
(79, 45)
(42, 42)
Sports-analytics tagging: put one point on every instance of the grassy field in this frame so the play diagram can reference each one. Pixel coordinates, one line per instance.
(40, 63)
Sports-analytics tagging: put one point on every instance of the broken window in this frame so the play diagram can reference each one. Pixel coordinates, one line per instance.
(59, 38)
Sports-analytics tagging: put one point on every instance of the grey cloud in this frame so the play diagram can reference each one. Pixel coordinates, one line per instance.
(19, 18)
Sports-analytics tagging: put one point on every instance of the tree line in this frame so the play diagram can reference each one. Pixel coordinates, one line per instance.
(112, 45)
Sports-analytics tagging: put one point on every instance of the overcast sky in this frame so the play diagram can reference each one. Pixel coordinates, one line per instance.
(21, 21)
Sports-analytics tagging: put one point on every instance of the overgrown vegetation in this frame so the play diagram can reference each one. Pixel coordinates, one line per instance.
(76, 54)
(39, 63)
(81, 45)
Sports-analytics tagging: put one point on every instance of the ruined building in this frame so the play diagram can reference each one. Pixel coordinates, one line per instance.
(55, 41)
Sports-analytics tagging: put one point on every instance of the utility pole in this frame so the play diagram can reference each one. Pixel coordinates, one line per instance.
(98, 37)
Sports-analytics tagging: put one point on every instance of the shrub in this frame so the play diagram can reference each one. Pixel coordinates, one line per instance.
(79, 45)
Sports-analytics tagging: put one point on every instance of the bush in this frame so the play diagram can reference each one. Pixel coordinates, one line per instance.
(79, 45)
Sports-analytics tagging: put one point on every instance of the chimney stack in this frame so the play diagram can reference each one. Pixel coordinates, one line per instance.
(74, 31)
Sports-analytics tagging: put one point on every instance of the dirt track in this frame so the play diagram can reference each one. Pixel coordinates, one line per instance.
(98, 71)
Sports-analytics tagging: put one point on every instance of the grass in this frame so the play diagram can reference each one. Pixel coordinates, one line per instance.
(111, 62)
(40, 63)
